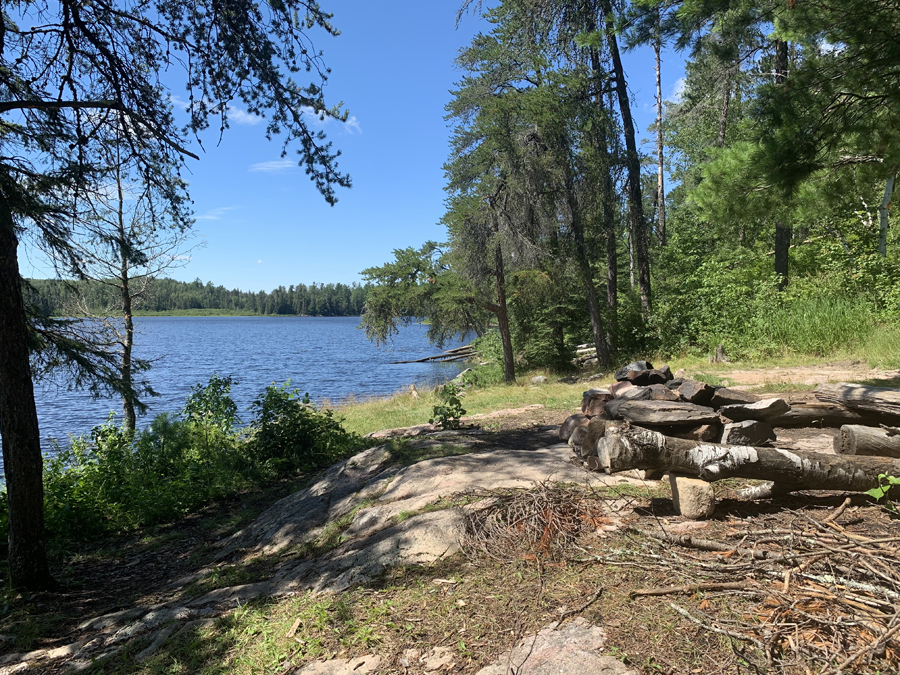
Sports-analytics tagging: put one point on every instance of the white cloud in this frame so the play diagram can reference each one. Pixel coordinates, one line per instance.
(259, 262)
(216, 214)
(243, 117)
(275, 166)
(320, 120)
(313, 118)
(352, 125)
(178, 102)
(678, 90)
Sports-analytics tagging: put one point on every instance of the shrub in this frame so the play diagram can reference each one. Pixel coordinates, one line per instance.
(289, 432)
(115, 480)
(449, 410)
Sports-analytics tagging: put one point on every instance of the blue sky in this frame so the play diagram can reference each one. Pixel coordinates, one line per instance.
(262, 223)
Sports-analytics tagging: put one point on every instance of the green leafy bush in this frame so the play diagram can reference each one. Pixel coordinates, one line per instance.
(289, 432)
(114, 479)
(448, 412)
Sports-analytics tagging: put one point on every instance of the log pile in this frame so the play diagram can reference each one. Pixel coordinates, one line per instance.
(690, 428)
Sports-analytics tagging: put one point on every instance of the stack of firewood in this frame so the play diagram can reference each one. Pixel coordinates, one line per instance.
(715, 432)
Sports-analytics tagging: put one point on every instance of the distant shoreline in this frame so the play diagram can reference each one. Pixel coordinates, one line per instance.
(222, 312)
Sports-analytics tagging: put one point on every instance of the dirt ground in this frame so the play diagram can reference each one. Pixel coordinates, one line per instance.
(813, 576)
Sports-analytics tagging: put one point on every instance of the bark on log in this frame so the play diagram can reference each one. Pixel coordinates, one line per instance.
(623, 448)
(662, 412)
(859, 440)
(878, 400)
(818, 414)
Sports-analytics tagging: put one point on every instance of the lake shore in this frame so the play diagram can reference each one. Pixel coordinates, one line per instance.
(484, 603)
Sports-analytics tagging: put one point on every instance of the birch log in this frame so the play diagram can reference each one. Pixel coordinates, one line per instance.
(816, 413)
(858, 397)
(861, 440)
(623, 447)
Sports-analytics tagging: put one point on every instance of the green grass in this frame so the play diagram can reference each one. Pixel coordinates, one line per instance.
(403, 410)
(881, 349)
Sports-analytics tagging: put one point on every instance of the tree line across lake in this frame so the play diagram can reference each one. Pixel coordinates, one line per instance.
(66, 298)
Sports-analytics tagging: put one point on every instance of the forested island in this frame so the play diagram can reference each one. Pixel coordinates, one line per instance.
(55, 297)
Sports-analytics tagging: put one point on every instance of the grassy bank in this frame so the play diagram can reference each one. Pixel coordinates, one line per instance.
(403, 410)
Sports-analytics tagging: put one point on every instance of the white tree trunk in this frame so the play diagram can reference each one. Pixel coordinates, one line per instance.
(884, 211)
(624, 447)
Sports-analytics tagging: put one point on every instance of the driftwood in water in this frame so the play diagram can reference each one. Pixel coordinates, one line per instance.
(861, 440)
(819, 414)
(457, 354)
(623, 447)
(878, 400)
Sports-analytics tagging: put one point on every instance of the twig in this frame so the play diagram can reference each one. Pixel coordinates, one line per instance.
(869, 649)
(702, 544)
(716, 629)
(569, 612)
(692, 588)
(838, 511)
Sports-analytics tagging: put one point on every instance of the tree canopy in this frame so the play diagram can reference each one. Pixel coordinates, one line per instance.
(75, 75)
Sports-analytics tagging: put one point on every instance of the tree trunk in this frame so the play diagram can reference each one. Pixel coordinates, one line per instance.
(607, 197)
(125, 365)
(587, 274)
(632, 165)
(860, 440)
(882, 401)
(723, 115)
(782, 249)
(883, 213)
(623, 448)
(22, 461)
(509, 359)
(660, 174)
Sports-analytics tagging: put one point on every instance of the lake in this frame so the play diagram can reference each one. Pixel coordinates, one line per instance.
(329, 357)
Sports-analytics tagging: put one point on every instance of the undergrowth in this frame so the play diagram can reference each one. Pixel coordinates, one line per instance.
(117, 480)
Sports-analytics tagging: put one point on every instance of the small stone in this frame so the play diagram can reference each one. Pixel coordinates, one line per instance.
(680, 373)
(761, 410)
(357, 666)
(539, 379)
(693, 498)
(748, 432)
(571, 379)
(597, 376)
(437, 659)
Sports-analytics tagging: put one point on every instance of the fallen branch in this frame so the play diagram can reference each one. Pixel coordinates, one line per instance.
(691, 588)
(716, 629)
(703, 544)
